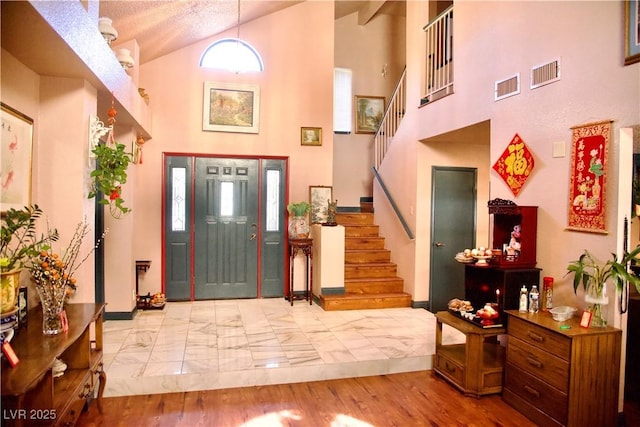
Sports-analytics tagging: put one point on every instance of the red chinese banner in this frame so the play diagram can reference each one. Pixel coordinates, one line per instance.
(515, 164)
(587, 202)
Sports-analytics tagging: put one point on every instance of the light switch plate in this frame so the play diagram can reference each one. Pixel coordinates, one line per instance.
(559, 149)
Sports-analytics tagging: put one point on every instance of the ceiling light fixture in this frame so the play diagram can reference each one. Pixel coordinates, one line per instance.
(106, 29)
(124, 58)
(237, 66)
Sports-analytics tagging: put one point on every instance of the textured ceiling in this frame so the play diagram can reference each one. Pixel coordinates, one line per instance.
(160, 27)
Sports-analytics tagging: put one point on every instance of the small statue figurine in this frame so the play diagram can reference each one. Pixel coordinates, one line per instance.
(331, 213)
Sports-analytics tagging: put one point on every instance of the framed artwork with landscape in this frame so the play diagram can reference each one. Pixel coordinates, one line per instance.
(369, 112)
(319, 197)
(231, 107)
(15, 159)
(632, 31)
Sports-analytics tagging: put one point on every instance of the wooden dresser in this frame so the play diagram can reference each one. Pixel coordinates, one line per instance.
(560, 376)
(30, 393)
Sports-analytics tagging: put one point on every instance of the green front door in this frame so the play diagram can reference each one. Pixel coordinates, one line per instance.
(224, 228)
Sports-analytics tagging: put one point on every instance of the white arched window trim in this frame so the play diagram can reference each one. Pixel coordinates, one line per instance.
(233, 55)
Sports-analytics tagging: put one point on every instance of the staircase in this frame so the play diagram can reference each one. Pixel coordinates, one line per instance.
(370, 278)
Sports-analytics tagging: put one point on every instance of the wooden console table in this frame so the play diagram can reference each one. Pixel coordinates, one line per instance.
(475, 367)
(30, 393)
(306, 246)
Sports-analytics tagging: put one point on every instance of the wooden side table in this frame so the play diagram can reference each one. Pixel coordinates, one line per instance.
(475, 367)
(306, 246)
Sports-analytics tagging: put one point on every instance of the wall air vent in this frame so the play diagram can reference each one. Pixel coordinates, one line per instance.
(544, 74)
(507, 87)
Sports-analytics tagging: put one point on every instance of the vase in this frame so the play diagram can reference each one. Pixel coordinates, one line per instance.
(9, 285)
(597, 304)
(51, 309)
(298, 228)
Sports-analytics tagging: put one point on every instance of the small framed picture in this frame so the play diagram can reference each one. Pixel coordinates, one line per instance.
(311, 136)
(585, 319)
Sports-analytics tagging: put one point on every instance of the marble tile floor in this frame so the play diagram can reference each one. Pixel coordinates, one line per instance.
(206, 345)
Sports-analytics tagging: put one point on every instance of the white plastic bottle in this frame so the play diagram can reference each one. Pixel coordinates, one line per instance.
(523, 299)
(534, 299)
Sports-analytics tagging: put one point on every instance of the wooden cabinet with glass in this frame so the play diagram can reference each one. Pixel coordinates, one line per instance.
(31, 395)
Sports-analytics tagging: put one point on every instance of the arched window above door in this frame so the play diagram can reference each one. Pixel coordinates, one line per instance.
(233, 55)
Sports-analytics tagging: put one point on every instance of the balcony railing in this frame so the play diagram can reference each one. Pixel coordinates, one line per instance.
(439, 57)
(391, 120)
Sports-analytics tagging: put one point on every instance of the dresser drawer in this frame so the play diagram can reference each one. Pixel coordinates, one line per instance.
(548, 368)
(552, 343)
(449, 368)
(536, 393)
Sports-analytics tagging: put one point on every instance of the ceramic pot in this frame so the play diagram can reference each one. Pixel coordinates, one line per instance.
(298, 228)
(9, 285)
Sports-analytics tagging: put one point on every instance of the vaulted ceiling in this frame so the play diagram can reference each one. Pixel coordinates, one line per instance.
(160, 27)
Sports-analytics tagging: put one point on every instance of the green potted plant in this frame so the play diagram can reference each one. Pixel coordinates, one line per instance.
(19, 243)
(593, 277)
(298, 225)
(109, 176)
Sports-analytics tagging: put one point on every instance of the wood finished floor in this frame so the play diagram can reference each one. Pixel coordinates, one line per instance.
(407, 399)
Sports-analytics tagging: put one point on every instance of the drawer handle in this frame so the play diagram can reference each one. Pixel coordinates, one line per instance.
(533, 392)
(535, 337)
(85, 391)
(534, 362)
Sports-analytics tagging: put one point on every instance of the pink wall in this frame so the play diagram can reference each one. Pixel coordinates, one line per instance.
(296, 90)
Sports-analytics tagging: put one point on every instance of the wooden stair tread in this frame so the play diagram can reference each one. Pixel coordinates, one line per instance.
(373, 279)
(366, 296)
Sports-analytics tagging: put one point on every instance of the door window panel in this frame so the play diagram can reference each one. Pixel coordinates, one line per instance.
(226, 199)
(178, 205)
(273, 200)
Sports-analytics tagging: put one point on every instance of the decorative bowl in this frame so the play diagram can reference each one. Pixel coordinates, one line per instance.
(481, 260)
(485, 315)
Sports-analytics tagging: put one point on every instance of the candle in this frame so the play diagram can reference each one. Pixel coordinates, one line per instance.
(498, 296)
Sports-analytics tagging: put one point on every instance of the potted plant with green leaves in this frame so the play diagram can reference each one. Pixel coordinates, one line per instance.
(19, 243)
(594, 276)
(112, 161)
(298, 225)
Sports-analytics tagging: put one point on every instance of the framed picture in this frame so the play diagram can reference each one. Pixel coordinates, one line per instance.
(319, 197)
(231, 107)
(369, 112)
(311, 136)
(585, 319)
(632, 31)
(15, 159)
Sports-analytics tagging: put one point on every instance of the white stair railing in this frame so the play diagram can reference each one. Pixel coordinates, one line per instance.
(391, 120)
(439, 57)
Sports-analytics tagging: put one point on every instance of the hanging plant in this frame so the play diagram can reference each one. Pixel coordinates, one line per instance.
(110, 174)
